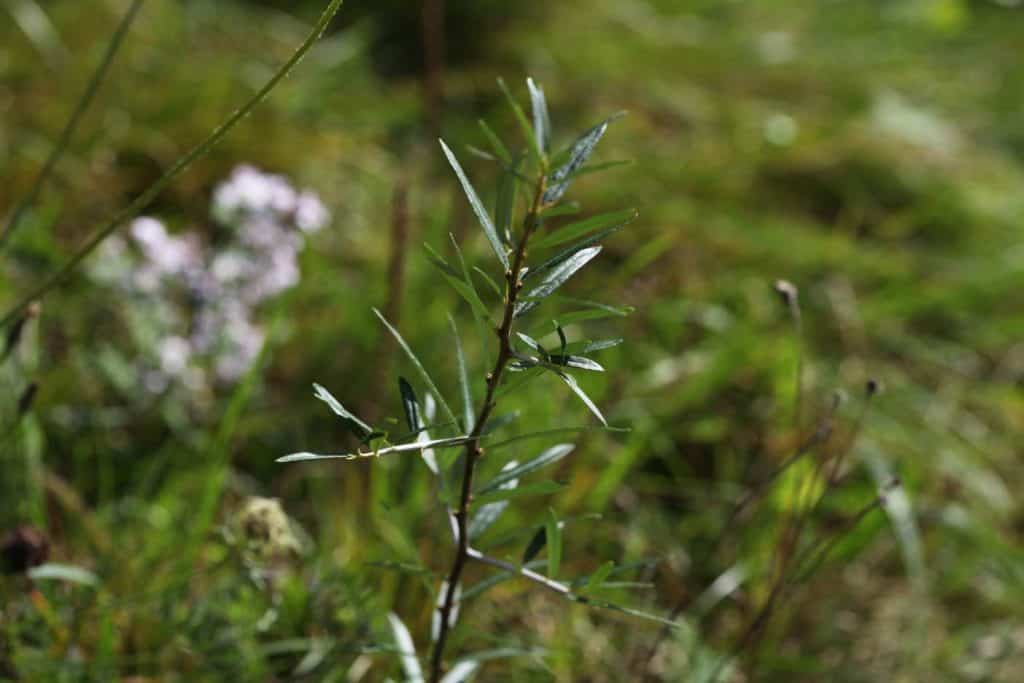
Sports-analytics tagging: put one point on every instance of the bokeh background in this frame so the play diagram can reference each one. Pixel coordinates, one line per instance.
(871, 153)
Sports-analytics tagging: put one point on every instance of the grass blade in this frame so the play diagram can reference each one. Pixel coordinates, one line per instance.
(467, 395)
(424, 375)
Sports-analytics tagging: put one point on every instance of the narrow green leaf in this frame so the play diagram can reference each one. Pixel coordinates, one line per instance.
(554, 536)
(540, 488)
(467, 394)
(598, 577)
(477, 152)
(424, 375)
(490, 282)
(578, 228)
(597, 168)
(578, 155)
(488, 514)
(524, 123)
(548, 457)
(490, 582)
(592, 346)
(409, 405)
(469, 295)
(505, 200)
(439, 263)
(375, 453)
(536, 544)
(543, 433)
(497, 146)
(555, 278)
(352, 423)
(541, 121)
(570, 381)
(594, 313)
(406, 649)
(570, 251)
(478, 207)
(564, 209)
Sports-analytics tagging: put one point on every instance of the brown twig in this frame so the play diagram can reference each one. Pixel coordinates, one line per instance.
(513, 284)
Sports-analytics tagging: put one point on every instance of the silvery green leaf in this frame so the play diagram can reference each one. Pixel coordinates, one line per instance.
(578, 155)
(478, 207)
(488, 514)
(406, 649)
(461, 672)
(548, 457)
(429, 459)
(353, 423)
(524, 123)
(532, 343)
(453, 616)
(541, 121)
(578, 362)
(505, 202)
(555, 278)
(570, 381)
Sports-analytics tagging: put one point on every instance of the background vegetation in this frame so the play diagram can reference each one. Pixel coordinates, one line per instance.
(871, 153)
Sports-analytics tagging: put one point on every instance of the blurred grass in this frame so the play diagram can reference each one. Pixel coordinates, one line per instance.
(871, 153)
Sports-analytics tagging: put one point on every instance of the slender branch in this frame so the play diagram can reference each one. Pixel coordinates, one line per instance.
(72, 124)
(513, 285)
(151, 193)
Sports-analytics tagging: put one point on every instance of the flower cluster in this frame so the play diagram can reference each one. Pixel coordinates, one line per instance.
(196, 299)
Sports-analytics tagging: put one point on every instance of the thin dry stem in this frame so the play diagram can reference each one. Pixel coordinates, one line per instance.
(513, 285)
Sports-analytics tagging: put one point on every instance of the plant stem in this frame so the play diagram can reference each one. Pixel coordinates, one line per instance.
(72, 124)
(151, 193)
(513, 284)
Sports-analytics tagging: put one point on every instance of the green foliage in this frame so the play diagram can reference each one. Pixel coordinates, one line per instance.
(771, 140)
